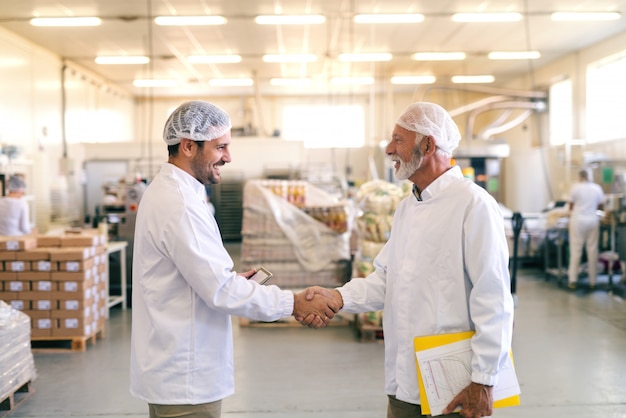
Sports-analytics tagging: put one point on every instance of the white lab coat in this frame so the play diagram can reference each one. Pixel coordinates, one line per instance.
(444, 269)
(183, 295)
(14, 216)
(584, 228)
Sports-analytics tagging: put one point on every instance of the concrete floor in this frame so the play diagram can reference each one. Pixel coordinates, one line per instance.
(569, 349)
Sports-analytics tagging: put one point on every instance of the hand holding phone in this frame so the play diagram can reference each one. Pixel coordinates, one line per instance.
(261, 276)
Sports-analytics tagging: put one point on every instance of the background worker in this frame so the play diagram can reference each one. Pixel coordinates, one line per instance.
(586, 197)
(184, 286)
(443, 270)
(14, 211)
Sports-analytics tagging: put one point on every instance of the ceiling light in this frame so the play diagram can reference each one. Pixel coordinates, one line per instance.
(514, 55)
(128, 59)
(290, 19)
(469, 79)
(389, 18)
(189, 20)
(580, 16)
(290, 81)
(66, 21)
(382, 56)
(214, 59)
(352, 80)
(231, 82)
(413, 79)
(155, 83)
(439, 56)
(487, 17)
(289, 57)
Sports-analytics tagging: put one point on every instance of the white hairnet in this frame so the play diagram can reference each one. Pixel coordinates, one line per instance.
(432, 120)
(196, 120)
(16, 184)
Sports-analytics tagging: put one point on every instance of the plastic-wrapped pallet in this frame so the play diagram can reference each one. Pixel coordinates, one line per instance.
(284, 234)
(17, 365)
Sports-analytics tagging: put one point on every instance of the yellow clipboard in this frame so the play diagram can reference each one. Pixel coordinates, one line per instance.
(432, 341)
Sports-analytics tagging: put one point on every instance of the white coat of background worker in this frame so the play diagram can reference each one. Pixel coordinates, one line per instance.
(586, 197)
(14, 211)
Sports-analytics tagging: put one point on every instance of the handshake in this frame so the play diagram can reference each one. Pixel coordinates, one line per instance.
(316, 306)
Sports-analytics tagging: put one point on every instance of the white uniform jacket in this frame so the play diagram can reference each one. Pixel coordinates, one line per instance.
(183, 295)
(444, 269)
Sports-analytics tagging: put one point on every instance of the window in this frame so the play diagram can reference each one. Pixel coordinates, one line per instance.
(561, 108)
(325, 126)
(606, 98)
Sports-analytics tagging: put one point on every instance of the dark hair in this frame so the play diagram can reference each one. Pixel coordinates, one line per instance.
(172, 150)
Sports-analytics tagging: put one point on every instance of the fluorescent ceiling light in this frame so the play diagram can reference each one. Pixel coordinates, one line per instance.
(214, 59)
(389, 18)
(413, 79)
(469, 79)
(231, 82)
(352, 80)
(382, 56)
(580, 16)
(290, 81)
(487, 17)
(290, 19)
(189, 20)
(155, 83)
(121, 59)
(514, 55)
(439, 56)
(66, 21)
(289, 57)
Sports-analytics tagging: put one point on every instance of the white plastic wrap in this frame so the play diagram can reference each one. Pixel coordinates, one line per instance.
(17, 365)
(272, 222)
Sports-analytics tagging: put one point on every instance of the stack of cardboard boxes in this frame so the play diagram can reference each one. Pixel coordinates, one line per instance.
(59, 281)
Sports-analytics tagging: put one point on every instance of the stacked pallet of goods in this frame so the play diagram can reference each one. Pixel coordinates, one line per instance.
(297, 231)
(377, 201)
(17, 366)
(60, 282)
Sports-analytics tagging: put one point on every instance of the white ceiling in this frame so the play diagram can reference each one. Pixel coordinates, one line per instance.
(128, 29)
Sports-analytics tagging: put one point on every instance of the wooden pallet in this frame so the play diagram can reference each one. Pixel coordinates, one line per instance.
(15, 399)
(337, 321)
(64, 344)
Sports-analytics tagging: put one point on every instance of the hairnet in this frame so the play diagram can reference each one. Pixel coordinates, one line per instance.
(432, 120)
(196, 120)
(16, 184)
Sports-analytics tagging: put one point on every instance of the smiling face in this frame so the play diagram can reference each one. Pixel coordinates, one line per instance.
(404, 150)
(208, 158)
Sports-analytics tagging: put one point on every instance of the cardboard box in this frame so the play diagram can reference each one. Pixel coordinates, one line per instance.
(8, 275)
(76, 304)
(84, 330)
(40, 333)
(19, 304)
(16, 286)
(7, 255)
(34, 275)
(34, 254)
(44, 265)
(76, 265)
(48, 241)
(43, 286)
(16, 265)
(74, 286)
(21, 243)
(80, 240)
(70, 253)
(71, 276)
(6, 295)
(87, 294)
(34, 315)
(41, 302)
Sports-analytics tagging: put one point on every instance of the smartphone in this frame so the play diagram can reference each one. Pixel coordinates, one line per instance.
(261, 276)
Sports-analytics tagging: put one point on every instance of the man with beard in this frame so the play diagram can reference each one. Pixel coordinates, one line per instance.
(444, 268)
(184, 289)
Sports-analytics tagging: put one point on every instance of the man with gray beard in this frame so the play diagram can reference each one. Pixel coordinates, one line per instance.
(443, 270)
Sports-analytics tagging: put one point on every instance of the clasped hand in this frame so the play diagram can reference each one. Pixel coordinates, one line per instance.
(316, 306)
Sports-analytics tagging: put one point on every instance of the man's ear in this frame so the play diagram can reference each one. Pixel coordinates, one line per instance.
(186, 146)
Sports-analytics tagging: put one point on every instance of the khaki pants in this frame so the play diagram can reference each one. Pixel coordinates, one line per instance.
(400, 409)
(205, 410)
